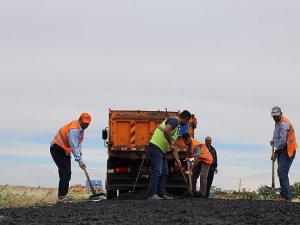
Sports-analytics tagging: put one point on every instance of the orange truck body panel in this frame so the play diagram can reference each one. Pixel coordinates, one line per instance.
(132, 129)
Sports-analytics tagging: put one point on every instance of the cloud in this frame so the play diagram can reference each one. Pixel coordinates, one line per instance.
(46, 175)
(253, 167)
(31, 164)
(38, 151)
(240, 61)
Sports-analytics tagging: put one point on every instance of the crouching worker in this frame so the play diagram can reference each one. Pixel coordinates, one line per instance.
(68, 140)
(202, 161)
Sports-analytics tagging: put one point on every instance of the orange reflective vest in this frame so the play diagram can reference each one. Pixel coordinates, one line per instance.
(61, 138)
(291, 138)
(204, 154)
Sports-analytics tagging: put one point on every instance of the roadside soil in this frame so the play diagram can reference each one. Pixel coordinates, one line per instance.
(142, 211)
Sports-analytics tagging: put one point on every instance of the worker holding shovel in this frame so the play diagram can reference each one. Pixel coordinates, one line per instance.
(285, 145)
(202, 161)
(68, 141)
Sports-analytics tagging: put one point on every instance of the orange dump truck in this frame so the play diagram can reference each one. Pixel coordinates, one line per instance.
(126, 138)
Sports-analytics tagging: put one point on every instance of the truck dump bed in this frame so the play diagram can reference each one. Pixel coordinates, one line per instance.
(133, 129)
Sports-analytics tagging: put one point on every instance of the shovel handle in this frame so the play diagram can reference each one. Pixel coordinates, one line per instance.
(273, 168)
(185, 180)
(89, 180)
(190, 177)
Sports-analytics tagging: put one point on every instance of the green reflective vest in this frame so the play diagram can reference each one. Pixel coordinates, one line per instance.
(158, 138)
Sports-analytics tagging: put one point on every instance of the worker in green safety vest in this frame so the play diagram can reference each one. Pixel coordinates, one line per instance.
(163, 140)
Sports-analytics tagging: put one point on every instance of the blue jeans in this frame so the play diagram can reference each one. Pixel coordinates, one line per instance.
(159, 170)
(284, 164)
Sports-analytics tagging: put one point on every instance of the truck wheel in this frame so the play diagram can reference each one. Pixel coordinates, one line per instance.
(110, 194)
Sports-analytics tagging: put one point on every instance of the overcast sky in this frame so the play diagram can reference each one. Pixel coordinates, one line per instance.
(227, 61)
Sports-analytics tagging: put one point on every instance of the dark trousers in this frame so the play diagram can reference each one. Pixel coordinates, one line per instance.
(63, 162)
(210, 178)
(159, 170)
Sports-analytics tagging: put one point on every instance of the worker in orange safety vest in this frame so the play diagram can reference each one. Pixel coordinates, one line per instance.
(285, 145)
(67, 141)
(202, 161)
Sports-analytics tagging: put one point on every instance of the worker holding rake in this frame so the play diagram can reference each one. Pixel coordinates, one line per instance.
(68, 141)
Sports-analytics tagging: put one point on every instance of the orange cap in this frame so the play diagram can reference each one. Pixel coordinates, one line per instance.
(85, 117)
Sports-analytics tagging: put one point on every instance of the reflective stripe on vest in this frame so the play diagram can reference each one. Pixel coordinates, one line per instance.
(61, 138)
(158, 138)
(204, 154)
(291, 138)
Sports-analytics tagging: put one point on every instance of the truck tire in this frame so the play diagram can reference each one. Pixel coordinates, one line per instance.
(110, 194)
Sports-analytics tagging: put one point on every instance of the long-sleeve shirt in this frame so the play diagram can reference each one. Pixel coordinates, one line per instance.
(74, 141)
(280, 134)
(213, 152)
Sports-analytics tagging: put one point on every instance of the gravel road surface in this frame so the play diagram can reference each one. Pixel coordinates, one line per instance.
(143, 211)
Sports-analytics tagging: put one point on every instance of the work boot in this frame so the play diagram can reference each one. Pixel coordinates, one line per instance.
(198, 195)
(282, 199)
(166, 197)
(154, 197)
(63, 201)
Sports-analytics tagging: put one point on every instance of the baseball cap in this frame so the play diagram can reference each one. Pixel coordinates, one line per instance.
(85, 117)
(276, 111)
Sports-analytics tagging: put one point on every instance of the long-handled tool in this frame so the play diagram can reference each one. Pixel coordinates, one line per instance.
(94, 195)
(137, 177)
(185, 180)
(272, 188)
(189, 165)
(273, 176)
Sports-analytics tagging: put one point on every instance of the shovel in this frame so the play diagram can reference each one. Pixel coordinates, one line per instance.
(185, 180)
(272, 188)
(94, 195)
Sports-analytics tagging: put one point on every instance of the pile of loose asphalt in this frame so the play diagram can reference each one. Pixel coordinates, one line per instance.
(134, 208)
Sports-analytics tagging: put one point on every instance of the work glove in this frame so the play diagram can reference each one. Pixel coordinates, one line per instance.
(82, 165)
(274, 157)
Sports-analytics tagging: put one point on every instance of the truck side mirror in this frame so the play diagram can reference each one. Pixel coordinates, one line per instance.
(104, 134)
